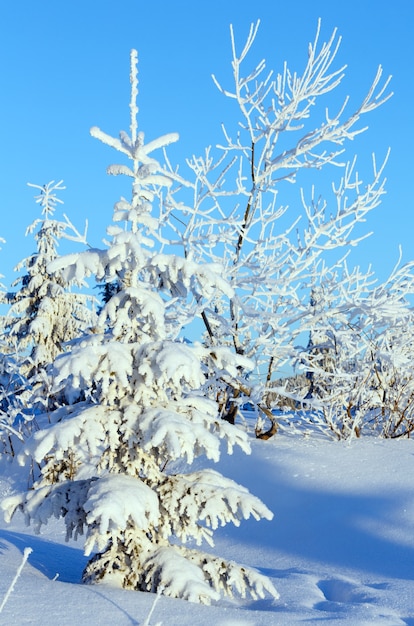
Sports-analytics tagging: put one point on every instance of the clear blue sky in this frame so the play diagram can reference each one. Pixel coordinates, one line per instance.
(64, 67)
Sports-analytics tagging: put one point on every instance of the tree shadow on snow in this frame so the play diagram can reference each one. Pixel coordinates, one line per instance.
(52, 559)
(344, 530)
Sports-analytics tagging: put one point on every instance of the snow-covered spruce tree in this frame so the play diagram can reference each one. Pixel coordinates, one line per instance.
(244, 211)
(44, 314)
(114, 462)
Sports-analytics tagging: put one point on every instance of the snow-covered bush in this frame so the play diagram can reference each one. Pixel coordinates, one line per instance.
(115, 460)
(359, 359)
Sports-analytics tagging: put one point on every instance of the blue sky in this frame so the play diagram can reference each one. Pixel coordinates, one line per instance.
(64, 67)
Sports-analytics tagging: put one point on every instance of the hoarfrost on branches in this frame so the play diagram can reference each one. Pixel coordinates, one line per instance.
(235, 210)
(358, 360)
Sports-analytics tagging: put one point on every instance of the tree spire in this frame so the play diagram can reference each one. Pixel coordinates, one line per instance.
(133, 77)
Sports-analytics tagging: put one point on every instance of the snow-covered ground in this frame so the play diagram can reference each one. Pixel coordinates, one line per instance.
(340, 548)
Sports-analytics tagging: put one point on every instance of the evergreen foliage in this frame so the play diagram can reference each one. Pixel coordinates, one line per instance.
(115, 460)
(43, 313)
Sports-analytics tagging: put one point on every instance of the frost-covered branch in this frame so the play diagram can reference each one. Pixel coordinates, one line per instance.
(272, 249)
(358, 360)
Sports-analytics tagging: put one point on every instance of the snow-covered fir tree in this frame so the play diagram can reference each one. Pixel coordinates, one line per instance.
(116, 460)
(44, 314)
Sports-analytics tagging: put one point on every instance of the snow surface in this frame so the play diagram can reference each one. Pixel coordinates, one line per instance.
(340, 548)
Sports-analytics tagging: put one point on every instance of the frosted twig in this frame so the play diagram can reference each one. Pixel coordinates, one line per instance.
(77, 237)
(26, 554)
(147, 620)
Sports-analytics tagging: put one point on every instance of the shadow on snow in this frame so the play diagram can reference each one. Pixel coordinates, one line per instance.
(54, 560)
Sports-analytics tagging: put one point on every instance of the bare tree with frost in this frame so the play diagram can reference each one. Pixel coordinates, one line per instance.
(115, 461)
(241, 202)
